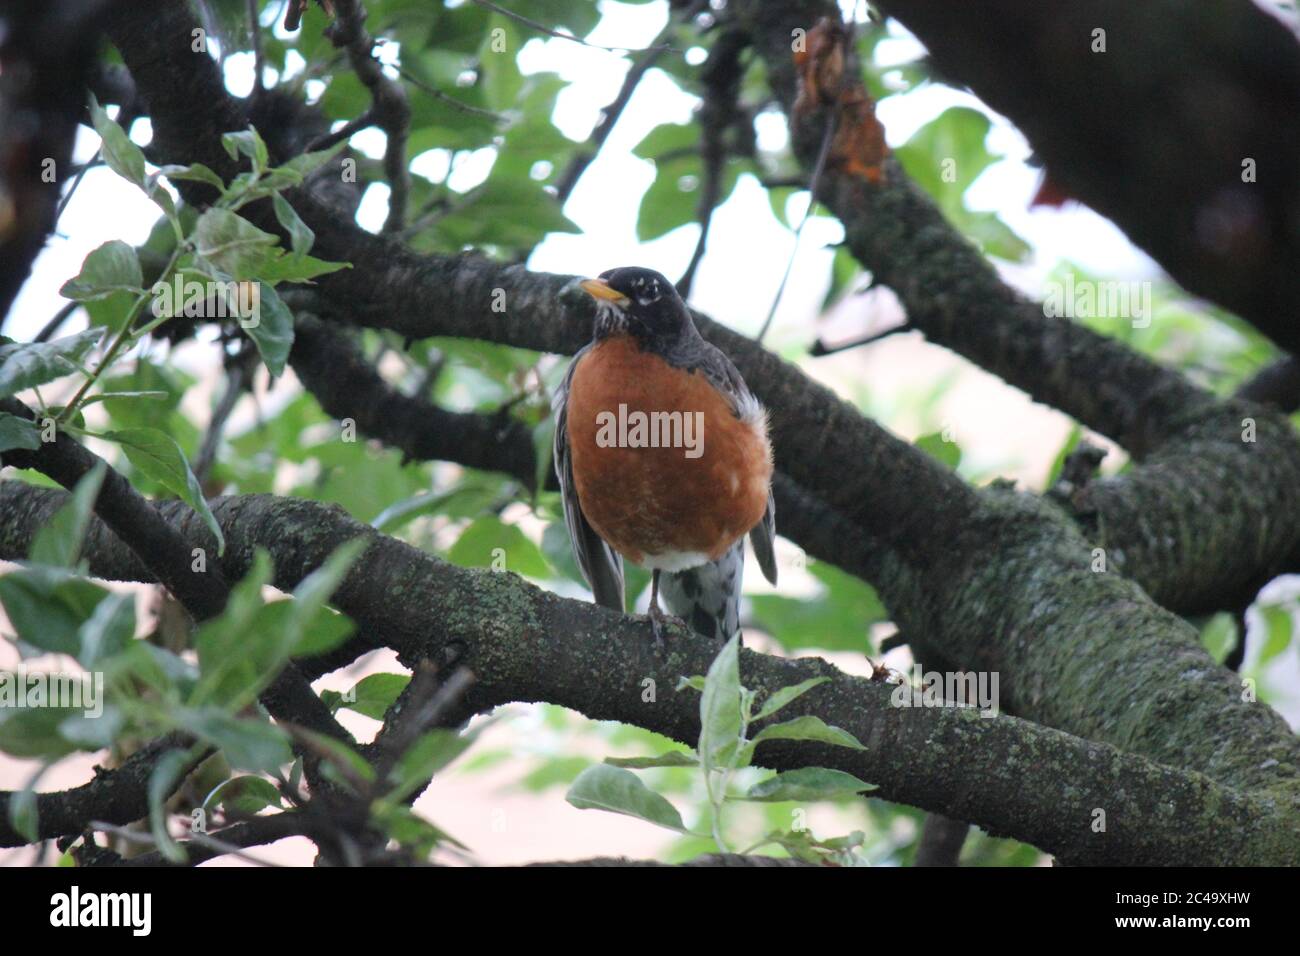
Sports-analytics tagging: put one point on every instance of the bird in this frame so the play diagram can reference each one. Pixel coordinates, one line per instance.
(663, 458)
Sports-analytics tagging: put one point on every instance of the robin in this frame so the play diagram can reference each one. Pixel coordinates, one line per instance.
(663, 457)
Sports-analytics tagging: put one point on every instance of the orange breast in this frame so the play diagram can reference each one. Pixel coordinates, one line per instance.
(702, 488)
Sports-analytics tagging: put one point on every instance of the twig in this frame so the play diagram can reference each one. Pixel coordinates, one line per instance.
(820, 348)
(562, 35)
(52, 326)
(422, 706)
(255, 39)
(326, 140)
(721, 75)
(611, 113)
(253, 834)
(81, 174)
(458, 105)
(391, 110)
(822, 153)
(236, 384)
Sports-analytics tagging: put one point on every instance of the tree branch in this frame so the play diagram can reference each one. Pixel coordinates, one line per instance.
(389, 110)
(1116, 97)
(334, 370)
(1007, 775)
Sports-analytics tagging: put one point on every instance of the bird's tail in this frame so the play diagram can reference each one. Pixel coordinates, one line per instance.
(708, 597)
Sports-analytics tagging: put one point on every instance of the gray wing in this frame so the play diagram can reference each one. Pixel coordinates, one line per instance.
(761, 537)
(707, 598)
(726, 378)
(599, 563)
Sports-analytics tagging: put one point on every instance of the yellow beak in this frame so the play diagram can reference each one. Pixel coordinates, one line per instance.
(599, 289)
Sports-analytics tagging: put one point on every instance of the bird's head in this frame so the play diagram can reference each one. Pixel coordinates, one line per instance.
(639, 301)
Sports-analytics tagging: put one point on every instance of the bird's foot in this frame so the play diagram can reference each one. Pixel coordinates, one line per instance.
(657, 618)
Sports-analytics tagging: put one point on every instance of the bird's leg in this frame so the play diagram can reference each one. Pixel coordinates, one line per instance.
(656, 615)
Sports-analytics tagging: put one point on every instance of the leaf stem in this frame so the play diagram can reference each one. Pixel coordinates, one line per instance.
(119, 341)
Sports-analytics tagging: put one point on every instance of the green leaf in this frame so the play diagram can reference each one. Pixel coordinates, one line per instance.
(313, 591)
(236, 654)
(24, 815)
(300, 234)
(244, 795)
(666, 138)
(195, 172)
(802, 845)
(940, 449)
(233, 244)
(602, 787)
(373, 695)
(249, 743)
(461, 501)
(778, 699)
(298, 268)
(947, 155)
(1219, 636)
(721, 722)
(327, 630)
(271, 330)
(304, 164)
(808, 727)
(112, 267)
(673, 758)
(409, 829)
(433, 751)
(247, 142)
(501, 80)
(1277, 621)
(511, 212)
(489, 542)
(1058, 463)
(108, 630)
(112, 396)
(807, 783)
(159, 457)
(166, 774)
(18, 432)
(543, 436)
(24, 365)
(120, 154)
(32, 732)
(59, 542)
(694, 682)
(47, 606)
(341, 764)
(93, 731)
(837, 619)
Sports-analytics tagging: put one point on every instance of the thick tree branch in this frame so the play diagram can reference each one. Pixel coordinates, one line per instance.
(952, 293)
(1007, 775)
(335, 371)
(1179, 121)
(169, 557)
(120, 796)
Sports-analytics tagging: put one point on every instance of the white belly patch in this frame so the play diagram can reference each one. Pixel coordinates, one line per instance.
(674, 560)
